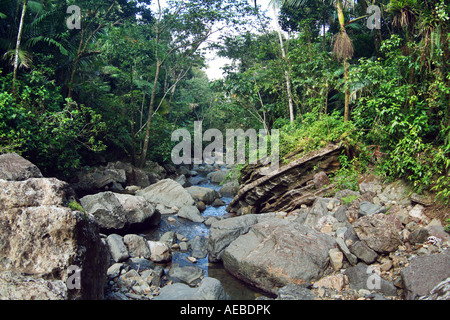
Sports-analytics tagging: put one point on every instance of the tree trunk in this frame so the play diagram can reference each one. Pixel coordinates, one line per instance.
(19, 36)
(133, 138)
(286, 74)
(150, 115)
(347, 92)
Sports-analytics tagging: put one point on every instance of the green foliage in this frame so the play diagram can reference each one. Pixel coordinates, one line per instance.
(349, 199)
(75, 206)
(313, 133)
(347, 176)
(447, 227)
(40, 125)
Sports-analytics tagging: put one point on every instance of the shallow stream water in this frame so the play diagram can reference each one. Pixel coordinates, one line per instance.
(236, 289)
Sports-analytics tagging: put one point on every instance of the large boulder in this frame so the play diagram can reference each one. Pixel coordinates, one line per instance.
(276, 252)
(140, 214)
(190, 213)
(116, 212)
(42, 238)
(168, 193)
(424, 273)
(98, 179)
(15, 168)
(223, 232)
(206, 195)
(219, 176)
(379, 232)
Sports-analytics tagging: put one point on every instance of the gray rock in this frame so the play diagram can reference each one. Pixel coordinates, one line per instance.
(137, 246)
(107, 211)
(117, 248)
(115, 270)
(440, 292)
(367, 208)
(229, 189)
(218, 203)
(425, 272)
(160, 251)
(189, 275)
(218, 177)
(15, 168)
(206, 195)
(40, 236)
(209, 289)
(168, 193)
(316, 213)
(190, 213)
(363, 252)
(363, 276)
(295, 292)
(350, 256)
(276, 252)
(340, 215)
(199, 246)
(378, 232)
(139, 213)
(419, 235)
(139, 264)
(223, 232)
(169, 237)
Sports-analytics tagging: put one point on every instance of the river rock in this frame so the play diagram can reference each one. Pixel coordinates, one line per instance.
(159, 252)
(363, 252)
(137, 246)
(286, 188)
(209, 289)
(190, 213)
(189, 275)
(139, 213)
(363, 276)
(223, 232)
(107, 211)
(295, 292)
(367, 208)
(199, 246)
(41, 237)
(168, 193)
(134, 176)
(318, 210)
(276, 252)
(117, 248)
(219, 176)
(15, 168)
(229, 189)
(98, 179)
(206, 195)
(425, 272)
(378, 232)
(117, 212)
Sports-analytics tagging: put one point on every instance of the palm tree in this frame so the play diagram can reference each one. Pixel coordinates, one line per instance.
(343, 47)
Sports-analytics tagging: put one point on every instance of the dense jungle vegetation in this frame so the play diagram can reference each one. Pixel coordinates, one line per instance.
(132, 72)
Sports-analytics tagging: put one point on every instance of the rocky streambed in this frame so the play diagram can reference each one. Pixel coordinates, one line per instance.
(176, 233)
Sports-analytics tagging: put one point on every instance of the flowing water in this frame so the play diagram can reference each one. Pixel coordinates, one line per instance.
(236, 289)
